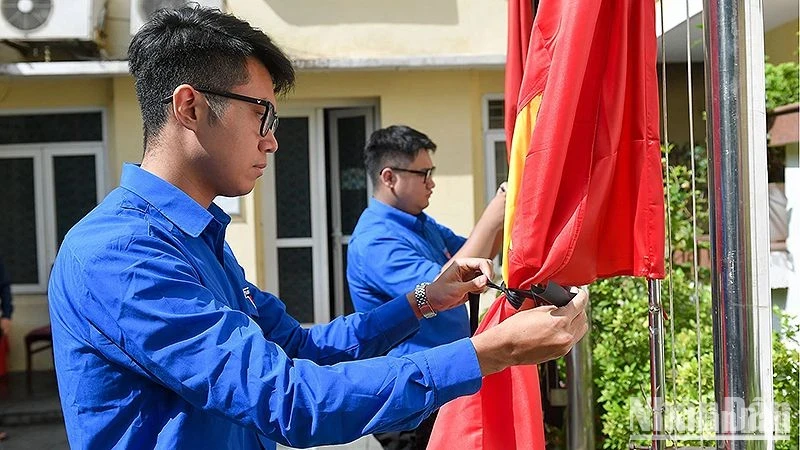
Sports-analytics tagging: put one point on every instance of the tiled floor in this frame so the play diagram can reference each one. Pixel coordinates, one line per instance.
(51, 436)
(33, 419)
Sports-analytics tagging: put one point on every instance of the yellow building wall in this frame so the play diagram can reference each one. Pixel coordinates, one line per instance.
(21, 95)
(677, 103)
(781, 43)
(444, 104)
(353, 28)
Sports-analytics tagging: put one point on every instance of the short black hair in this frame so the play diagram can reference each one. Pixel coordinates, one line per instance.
(202, 47)
(397, 145)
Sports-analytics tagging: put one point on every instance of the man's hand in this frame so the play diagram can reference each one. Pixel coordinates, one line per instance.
(533, 336)
(5, 326)
(450, 289)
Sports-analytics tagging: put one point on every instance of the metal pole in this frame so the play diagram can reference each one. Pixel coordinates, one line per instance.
(657, 380)
(580, 407)
(736, 131)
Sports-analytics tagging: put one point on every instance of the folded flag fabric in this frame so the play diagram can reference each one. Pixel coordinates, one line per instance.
(488, 419)
(584, 198)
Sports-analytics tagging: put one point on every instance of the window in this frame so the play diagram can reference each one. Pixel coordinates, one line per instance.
(494, 138)
(51, 167)
(494, 148)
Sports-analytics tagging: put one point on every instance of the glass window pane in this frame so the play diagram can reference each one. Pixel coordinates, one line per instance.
(18, 244)
(67, 127)
(500, 163)
(496, 114)
(296, 281)
(75, 185)
(292, 189)
(352, 174)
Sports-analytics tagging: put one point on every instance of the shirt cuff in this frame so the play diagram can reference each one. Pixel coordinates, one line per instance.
(453, 369)
(398, 319)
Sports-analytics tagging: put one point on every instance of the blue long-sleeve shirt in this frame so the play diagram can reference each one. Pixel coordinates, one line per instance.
(160, 342)
(392, 251)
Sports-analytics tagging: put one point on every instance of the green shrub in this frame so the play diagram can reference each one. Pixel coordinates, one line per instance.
(621, 338)
(782, 84)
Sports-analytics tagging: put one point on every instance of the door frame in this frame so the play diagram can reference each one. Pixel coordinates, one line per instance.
(337, 238)
(318, 177)
(318, 240)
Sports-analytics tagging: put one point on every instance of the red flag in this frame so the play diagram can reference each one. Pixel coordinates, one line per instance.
(486, 420)
(585, 197)
(520, 20)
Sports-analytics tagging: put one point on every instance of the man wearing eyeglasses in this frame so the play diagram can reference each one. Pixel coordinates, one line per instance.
(396, 247)
(161, 342)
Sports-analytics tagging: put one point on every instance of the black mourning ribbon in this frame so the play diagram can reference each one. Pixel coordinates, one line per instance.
(551, 294)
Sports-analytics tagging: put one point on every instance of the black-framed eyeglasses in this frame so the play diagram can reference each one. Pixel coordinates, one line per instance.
(425, 173)
(269, 121)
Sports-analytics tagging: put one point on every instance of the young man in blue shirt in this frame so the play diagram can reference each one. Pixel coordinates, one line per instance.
(395, 246)
(159, 340)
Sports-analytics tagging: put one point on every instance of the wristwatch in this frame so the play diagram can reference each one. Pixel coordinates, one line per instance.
(422, 301)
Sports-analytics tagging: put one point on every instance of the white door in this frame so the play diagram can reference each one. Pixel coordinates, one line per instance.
(295, 217)
(315, 189)
(348, 130)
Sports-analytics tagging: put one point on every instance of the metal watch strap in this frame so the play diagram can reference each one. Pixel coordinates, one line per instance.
(420, 295)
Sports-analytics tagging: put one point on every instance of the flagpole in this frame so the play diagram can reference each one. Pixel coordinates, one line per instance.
(580, 387)
(657, 378)
(736, 132)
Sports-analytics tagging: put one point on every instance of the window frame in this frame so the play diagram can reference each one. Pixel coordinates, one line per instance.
(491, 136)
(43, 155)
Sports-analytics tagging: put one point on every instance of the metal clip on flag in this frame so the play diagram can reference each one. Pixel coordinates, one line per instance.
(552, 294)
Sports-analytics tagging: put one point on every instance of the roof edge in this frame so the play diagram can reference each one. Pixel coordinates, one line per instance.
(119, 68)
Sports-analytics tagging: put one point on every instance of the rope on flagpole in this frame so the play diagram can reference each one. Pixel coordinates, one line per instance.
(655, 307)
(670, 282)
(657, 380)
(695, 259)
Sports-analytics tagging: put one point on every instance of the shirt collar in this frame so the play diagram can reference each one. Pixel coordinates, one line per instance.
(410, 221)
(173, 203)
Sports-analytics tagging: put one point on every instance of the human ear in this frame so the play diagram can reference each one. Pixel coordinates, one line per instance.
(187, 106)
(387, 178)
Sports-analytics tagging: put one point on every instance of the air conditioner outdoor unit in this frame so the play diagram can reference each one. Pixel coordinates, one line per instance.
(50, 20)
(142, 10)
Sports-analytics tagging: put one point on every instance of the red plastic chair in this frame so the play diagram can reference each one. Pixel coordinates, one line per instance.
(36, 340)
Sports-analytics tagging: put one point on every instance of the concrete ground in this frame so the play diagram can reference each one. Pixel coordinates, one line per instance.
(33, 420)
(53, 437)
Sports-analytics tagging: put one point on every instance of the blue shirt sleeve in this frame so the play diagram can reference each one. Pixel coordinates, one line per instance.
(347, 338)
(401, 267)
(217, 358)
